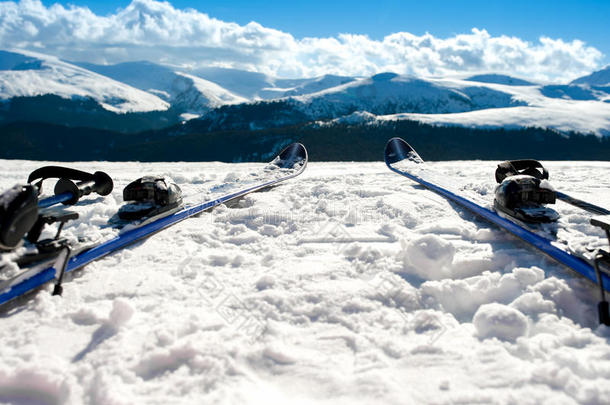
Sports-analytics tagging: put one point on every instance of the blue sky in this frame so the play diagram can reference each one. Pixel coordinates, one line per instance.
(553, 42)
(587, 20)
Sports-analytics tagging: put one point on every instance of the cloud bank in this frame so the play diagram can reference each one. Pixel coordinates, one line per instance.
(158, 32)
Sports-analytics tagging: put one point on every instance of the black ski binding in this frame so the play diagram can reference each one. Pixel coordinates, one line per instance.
(602, 265)
(49, 218)
(18, 213)
(529, 167)
(149, 196)
(523, 190)
(47, 248)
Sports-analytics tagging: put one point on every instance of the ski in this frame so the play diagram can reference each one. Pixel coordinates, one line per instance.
(290, 163)
(401, 158)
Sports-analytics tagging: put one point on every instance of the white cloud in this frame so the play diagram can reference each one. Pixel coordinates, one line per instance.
(156, 31)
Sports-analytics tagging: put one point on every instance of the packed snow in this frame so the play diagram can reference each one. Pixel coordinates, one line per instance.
(348, 284)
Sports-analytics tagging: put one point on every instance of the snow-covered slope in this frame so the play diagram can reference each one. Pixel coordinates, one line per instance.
(599, 78)
(251, 85)
(574, 107)
(257, 86)
(387, 93)
(318, 84)
(347, 285)
(576, 92)
(593, 118)
(183, 91)
(499, 79)
(29, 74)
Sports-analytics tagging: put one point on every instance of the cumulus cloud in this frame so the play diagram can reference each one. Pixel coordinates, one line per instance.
(158, 32)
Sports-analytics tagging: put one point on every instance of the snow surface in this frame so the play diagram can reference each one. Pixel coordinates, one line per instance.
(348, 284)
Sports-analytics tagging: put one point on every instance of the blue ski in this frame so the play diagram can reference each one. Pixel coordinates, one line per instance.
(288, 164)
(401, 158)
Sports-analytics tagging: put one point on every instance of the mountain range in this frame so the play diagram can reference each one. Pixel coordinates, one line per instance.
(137, 96)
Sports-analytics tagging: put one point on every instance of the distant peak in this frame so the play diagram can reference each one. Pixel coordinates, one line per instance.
(18, 61)
(598, 78)
(499, 79)
(384, 77)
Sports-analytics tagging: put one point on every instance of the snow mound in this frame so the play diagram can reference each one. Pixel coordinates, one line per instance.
(428, 257)
(499, 321)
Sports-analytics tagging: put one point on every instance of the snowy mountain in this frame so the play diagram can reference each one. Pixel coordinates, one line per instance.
(318, 84)
(499, 79)
(491, 104)
(599, 78)
(258, 86)
(136, 96)
(250, 85)
(388, 93)
(347, 285)
(441, 101)
(29, 74)
(184, 92)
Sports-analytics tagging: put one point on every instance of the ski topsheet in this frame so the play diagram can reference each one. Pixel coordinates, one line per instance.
(288, 164)
(401, 158)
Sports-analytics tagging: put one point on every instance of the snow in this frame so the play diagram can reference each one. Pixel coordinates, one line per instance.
(258, 86)
(444, 101)
(499, 79)
(499, 321)
(389, 91)
(183, 91)
(37, 74)
(348, 284)
(216, 96)
(580, 116)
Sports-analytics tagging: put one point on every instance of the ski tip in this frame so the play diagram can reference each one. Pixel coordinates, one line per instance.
(292, 155)
(397, 150)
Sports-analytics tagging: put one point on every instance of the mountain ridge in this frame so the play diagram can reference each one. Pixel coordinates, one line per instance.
(151, 95)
